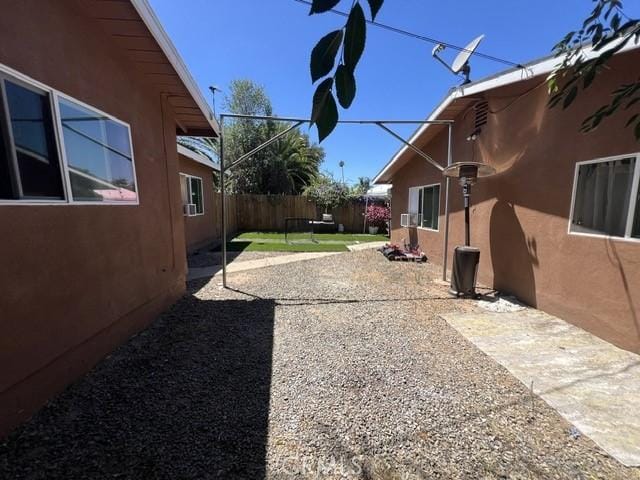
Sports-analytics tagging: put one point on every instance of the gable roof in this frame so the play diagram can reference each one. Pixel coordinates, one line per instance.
(134, 26)
(460, 97)
(197, 157)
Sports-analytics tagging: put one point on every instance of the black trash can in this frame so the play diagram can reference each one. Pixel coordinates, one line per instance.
(465, 269)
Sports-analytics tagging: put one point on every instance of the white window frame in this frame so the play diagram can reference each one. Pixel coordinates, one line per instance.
(422, 187)
(633, 204)
(54, 96)
(188, 177)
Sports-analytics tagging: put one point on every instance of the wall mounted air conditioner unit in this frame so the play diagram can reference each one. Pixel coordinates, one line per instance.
(409, 220)
(189, 209)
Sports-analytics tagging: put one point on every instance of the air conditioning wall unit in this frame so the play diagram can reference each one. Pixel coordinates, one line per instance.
(409, 220)
(189, 209)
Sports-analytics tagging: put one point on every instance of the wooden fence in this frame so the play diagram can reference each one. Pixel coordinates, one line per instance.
(268, 212)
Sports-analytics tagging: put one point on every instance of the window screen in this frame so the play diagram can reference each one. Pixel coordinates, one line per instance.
(603, 197)
(196, 194)
(425, 202)
(98, 155)
(430, 207)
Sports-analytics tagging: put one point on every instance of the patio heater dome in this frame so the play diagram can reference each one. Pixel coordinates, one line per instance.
(466, 258)
(469, 170)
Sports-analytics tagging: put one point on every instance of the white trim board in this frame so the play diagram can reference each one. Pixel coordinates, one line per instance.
(196, 157)
(188, 177)
(155, 27)
(633, 194)
(54, 96)
(542, 66)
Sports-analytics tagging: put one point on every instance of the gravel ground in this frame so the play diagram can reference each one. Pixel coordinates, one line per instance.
(207, 258)
(331, 368)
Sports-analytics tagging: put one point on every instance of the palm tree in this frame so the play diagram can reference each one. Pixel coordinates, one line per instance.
(206, 146)
(364, 183)
(298, 160)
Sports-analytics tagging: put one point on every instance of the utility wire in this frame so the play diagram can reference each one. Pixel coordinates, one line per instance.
(422, 37)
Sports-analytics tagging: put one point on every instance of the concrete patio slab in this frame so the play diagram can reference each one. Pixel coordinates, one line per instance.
(205, 272)
(365, 246)
(591, 383)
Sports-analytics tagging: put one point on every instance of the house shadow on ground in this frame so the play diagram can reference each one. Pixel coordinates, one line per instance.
(186, 398)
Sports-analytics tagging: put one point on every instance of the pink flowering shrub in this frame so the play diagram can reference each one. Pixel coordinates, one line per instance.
(378, 215)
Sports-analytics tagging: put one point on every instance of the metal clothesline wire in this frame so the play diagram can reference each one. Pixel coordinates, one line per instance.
(307, 120)
(422, 37)
(300, 121)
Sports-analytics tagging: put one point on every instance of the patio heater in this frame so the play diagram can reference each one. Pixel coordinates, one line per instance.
(466, 258)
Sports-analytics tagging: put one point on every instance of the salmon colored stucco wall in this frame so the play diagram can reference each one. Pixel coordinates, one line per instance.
(201, 230)
(76, 281)
(519, 218)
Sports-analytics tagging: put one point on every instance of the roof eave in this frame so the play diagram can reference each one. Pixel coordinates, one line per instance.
(196, 157)
(155, 27)
(541, 66)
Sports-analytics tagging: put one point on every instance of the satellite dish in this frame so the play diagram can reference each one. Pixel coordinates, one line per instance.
(461, 62)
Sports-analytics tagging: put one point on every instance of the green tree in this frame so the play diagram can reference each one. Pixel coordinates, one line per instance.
(298, 160)
(362, 187)
(607, 29)
(285, 167)
(243, 135)
(327, 192)
(206, 146)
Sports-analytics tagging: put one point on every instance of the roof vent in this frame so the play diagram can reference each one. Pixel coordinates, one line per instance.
(482, 111)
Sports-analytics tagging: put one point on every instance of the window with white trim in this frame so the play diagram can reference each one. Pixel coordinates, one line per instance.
(424, 202)
(99, 158)
(29, 160)
(192, 195)
(606, 197)
(53, 149)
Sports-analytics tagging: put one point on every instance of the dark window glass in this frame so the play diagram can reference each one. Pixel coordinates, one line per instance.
(34, 140)
(6, 190)
(196, 194)
(430, 206)
(603, 196)
(98, 154)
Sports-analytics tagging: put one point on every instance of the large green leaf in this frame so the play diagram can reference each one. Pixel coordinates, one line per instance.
(325, 111)
(375, 6)
(319, 6)
(323, 55)
(354, 37)
(345, 86)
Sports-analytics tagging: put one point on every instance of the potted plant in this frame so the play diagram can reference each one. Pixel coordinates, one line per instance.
(328, 194)
(377, 217)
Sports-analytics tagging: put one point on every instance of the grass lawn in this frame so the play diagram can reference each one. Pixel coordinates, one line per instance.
(239, 246)
(346, 238)
(275, 242)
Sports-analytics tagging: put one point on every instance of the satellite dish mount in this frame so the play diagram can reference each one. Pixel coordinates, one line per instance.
(461, 63)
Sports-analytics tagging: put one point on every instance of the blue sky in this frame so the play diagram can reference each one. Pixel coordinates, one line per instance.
(269, 42)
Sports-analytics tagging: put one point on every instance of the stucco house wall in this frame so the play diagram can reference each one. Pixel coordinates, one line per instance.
(520, 217)
(201, 230)
(77, 280)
